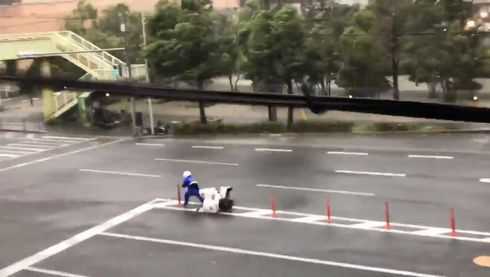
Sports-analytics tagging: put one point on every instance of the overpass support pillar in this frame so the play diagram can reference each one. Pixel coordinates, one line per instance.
(83, 110)
(48, 97)
(11, 67)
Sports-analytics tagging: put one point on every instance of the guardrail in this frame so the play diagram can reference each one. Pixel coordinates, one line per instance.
(64, 98)
(85, 44)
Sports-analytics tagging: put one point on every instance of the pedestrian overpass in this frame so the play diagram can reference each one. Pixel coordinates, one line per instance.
(98, 64)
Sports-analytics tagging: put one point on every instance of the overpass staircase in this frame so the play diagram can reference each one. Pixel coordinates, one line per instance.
(97, 65)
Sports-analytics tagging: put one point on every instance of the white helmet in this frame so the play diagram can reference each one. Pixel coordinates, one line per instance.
(186, 174)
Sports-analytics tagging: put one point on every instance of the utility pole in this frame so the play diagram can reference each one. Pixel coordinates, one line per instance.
(128, 65)
(394, 55)
(147, 75)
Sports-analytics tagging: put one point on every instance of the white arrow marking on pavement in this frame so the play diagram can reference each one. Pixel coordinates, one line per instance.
(371, 173)
(431, 157)
(347, 153)
(270, 255)
(317, 190)
(151, 144)
(272, 150)
(208, 147)
(120, 173)
(196, 162)
(485, 180)
(53, 272)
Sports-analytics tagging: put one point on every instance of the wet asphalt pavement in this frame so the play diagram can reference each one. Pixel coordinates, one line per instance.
(50, 197)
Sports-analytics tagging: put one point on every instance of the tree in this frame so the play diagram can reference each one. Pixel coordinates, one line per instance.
(110, 24)
(255, 41)
(176, 51)
(83, 17)
(272, 44)
(104, 31)
(391, 18)
(322, 48)
(443, 52)
(228, 27)
(362, 68)
(289, 36)
(424, 54)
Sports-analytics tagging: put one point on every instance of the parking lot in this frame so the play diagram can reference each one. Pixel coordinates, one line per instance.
(108, 207)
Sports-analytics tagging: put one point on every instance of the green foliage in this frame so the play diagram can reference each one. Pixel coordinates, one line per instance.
(448, 55)
(220, 128)
(279, 47)
(104, 31)
(273, 45)
(365, 64)
(177, 53)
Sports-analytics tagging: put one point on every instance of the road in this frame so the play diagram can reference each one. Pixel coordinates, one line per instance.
(107, 206)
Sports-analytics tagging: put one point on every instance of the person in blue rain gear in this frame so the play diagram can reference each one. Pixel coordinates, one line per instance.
(191, 187)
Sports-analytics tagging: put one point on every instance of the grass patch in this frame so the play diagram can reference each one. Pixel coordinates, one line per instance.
(311, 127)
(220, 128)
(321, 127)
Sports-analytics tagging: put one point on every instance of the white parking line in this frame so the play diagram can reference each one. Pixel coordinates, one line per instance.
(196, 162)
(22, 148)
(42, 142)
(371, 173)
(208, 147)
(431, 232)
(72, 241)
(53, 272)
(9, 155)
(356, 193)
(150, 144)
(347, 153)
(342, 222)
(31, 145)
(485, 180)
(368, 224)
(120, 173)
(19, 152)
(271, 255)
(68, 138)
(272, 150)
(60, 155)
(55, 141)
(431, 157)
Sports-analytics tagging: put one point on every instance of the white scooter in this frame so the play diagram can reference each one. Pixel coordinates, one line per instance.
(216, 199)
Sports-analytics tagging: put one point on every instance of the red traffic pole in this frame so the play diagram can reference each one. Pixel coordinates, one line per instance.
(387, 216)
(273, 206)
(178, 195)
(328, 210)
(452, 222)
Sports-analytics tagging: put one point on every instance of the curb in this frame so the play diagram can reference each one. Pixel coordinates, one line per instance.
(24, 131)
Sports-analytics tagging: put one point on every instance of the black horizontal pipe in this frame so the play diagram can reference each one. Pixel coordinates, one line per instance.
(361, 105)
